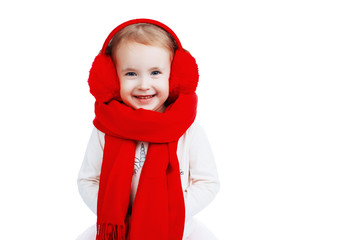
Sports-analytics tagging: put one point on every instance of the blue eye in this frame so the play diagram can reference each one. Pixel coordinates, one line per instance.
(155, 72)
(130, 74)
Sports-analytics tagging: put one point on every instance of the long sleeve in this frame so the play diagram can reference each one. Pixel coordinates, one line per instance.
(89, 174)
(203, 176)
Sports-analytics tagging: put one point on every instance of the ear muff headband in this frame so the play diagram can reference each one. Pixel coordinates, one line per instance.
(140, 20)
(105, 85)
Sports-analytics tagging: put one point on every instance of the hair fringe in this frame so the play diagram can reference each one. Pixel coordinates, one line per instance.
(144, 33)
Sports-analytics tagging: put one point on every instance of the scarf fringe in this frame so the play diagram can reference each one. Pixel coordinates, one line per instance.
(109, 231)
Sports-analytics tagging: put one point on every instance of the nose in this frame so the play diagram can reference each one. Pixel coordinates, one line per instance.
(144, 83)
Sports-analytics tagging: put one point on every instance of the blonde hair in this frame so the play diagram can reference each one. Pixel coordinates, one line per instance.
(144, 33)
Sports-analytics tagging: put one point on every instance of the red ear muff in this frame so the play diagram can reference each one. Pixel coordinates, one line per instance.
(184, 75)
(103, 80)
(105, 85)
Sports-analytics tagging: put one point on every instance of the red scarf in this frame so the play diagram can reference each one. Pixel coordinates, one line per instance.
(158, 211)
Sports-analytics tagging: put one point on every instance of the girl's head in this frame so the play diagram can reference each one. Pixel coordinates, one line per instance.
(142, 54)
(143, 64)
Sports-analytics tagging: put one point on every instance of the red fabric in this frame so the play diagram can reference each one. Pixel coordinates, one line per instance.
(103, 80)
(158, 211)
(184, 75)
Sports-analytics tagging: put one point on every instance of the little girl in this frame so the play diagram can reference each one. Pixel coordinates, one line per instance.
(148, 168)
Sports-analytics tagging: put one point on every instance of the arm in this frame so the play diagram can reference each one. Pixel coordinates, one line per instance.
(89, 175)
(204, 181)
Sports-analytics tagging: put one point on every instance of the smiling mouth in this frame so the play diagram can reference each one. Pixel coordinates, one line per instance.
(145, 96)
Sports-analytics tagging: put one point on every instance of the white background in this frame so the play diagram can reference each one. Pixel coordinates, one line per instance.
(278, 97)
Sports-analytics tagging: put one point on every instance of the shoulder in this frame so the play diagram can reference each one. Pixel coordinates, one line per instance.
(195, 128)
(194, 131)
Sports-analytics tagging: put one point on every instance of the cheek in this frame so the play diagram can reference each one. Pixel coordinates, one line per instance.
(125, 88)
(164, 86)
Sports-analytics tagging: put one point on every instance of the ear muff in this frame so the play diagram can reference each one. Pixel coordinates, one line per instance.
(105, 84)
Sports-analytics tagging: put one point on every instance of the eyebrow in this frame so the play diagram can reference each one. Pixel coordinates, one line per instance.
(129, 69)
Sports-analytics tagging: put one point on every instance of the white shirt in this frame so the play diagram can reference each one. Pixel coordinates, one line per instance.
(198, 172)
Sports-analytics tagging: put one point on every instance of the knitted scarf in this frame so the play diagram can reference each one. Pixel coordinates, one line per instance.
(158, 211)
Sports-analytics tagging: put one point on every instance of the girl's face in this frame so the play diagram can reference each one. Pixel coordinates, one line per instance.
(144, 73)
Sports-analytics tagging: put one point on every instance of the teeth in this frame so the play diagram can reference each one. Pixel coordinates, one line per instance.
(145, 97)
